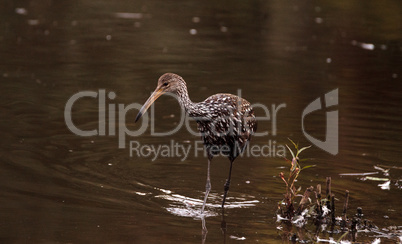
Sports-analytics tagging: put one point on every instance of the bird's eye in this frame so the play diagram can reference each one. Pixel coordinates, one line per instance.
(165, 84)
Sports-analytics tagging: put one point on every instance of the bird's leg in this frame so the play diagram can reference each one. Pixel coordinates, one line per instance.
(227, 184)
(207, 185)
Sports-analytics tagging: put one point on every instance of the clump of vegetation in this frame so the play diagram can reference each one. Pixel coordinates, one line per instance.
(294, 215)
(291, 192)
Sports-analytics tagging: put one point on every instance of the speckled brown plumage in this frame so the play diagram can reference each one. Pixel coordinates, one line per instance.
(229, 123)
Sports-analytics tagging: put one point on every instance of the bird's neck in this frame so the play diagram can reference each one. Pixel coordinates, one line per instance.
(186, 103)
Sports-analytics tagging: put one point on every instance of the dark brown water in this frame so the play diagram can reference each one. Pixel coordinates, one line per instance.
(60, 187)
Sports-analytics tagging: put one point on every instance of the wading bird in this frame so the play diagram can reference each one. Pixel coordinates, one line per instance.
(225, 121)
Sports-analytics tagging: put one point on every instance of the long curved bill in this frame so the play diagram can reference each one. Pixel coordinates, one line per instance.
(157, 93)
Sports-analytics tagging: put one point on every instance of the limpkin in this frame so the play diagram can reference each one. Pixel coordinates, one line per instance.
(225, 121)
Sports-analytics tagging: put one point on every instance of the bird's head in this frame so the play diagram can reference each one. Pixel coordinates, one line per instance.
(168, 82)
